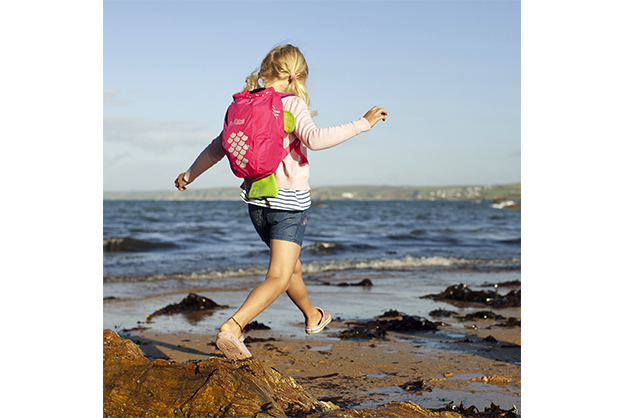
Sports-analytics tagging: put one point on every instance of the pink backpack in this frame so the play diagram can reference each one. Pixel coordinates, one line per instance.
(253, 134)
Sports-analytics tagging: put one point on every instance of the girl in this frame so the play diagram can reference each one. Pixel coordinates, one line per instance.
(280, 221)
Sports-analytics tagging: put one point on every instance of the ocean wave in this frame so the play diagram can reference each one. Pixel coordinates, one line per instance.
(322, 267)
(323, 248)
(117, 244)
(331, 248)
(396, 263)
(514, 241)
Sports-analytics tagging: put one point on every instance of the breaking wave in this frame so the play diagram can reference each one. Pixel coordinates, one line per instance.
(116, 244)
(314, 267)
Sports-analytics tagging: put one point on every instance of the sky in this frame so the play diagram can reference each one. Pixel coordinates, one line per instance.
(447, 72)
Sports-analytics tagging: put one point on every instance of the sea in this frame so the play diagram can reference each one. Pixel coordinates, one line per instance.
(157, 252)
(147, 241)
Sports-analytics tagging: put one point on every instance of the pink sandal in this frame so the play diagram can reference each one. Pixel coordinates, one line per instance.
(325, 320)
(233, 347)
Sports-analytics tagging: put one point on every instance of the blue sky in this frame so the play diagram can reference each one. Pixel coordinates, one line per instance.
(448, 72)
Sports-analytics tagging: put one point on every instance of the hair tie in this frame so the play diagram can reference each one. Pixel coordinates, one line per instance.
(293, 76)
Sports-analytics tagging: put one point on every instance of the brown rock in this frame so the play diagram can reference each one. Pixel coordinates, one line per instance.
(135, 386)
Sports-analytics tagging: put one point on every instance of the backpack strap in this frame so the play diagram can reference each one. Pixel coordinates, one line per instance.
(295, 144)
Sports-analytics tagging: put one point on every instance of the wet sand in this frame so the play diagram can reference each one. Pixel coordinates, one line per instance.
(473, 362)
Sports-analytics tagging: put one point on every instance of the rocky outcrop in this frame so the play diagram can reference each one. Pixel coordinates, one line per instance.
(135, 386)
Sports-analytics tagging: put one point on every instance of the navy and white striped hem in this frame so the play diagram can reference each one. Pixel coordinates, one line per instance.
(292, 200)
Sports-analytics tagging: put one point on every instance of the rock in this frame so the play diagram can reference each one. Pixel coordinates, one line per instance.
(389, 410)
(135, 386)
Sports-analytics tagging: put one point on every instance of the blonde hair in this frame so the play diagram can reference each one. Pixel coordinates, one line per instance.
(281, 63)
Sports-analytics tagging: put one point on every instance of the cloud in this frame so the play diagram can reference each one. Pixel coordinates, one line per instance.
(113, 97)
(154, 134)
(112, 159)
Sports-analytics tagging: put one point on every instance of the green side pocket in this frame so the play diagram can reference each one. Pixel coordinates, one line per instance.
(265, 187)
(289, 121)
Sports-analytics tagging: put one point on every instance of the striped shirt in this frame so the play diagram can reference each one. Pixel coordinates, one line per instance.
(291, 200)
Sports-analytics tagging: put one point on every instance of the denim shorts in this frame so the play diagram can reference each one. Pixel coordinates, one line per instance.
(279, 224)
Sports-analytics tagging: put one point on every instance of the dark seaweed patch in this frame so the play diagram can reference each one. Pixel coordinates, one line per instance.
(192, 303)
(364, 283)
(492, 411)
(255, 325)
(378, 328)
(416, 386)
(441, 313)
(461, 293)
(480, 315)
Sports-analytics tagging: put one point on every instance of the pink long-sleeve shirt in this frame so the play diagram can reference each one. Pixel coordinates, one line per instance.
(290, 174)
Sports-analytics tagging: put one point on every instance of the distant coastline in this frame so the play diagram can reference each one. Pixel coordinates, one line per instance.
(507, 192)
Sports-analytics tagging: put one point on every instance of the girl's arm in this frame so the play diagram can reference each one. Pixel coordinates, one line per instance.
(315, 138)
(207, 158)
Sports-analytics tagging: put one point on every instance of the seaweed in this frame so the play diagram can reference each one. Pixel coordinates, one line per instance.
(492, 411)
(258, 340)
(192, 303)
(364, 283)
(416, 386)
(461, 293)
(378, 328)
(255, 325)
(510, 283)
(391, 313)
(509, 323)
(442, 313)
(481, 315)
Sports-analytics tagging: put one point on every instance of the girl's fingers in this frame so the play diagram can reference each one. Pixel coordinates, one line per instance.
(376, 114)
(180, 183)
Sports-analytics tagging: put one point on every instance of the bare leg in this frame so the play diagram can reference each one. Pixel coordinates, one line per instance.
(299, 295)
(283, 259)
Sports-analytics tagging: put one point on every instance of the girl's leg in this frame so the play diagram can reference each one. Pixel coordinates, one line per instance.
(299, 295)
(284, 257)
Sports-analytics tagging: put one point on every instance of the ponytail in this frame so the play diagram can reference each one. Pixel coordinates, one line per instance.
(251, 83)
(298, 88)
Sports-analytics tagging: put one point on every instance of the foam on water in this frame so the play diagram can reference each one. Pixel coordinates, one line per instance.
(158, 240)
(314, 267)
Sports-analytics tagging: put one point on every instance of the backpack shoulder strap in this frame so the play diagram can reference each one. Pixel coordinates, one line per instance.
(290, 124)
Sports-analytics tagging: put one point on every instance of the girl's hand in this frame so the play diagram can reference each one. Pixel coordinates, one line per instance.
(180, 183)
(376, 114)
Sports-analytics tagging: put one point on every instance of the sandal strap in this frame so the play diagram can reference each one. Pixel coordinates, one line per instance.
(236, 322)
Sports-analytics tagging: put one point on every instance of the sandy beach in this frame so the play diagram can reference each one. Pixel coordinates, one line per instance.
(468, 361)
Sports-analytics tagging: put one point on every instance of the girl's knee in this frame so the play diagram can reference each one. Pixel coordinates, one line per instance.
(298, 268)
(280, 283)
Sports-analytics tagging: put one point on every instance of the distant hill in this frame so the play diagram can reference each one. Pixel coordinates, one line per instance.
(496, 193)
